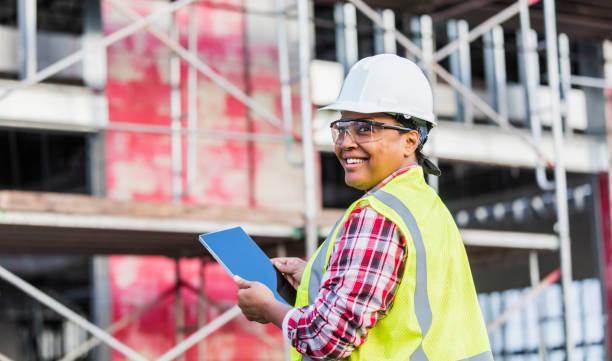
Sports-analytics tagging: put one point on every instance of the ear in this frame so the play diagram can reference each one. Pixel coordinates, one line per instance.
(411, 143)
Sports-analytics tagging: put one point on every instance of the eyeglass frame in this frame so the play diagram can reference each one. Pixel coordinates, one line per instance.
(371, 122)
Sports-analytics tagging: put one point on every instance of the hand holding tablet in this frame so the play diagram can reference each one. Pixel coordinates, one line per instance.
(240, 256)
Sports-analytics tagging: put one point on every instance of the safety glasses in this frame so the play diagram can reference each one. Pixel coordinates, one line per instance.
(361, 130)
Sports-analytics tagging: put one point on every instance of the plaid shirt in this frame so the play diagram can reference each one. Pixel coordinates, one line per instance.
(357, 289)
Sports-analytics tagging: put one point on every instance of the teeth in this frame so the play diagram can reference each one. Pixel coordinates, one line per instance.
(354, 161)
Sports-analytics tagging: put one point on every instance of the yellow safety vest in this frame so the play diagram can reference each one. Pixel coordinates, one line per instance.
(435, 315)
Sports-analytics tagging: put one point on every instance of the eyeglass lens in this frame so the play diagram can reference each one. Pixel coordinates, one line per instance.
(360, 131)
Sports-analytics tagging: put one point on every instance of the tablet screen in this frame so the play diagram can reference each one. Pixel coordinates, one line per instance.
(241, 256)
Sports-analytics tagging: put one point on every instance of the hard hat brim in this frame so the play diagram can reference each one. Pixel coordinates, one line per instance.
(371, 108)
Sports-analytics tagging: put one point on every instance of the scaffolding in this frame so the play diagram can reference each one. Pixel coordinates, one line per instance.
(429, 59)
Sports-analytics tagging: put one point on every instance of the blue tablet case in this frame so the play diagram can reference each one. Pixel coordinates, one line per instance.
(240, 255)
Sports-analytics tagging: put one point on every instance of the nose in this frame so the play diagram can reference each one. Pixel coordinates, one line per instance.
(346, 140)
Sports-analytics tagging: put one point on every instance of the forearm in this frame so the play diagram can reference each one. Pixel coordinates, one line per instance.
(319, 335)
(276, 311)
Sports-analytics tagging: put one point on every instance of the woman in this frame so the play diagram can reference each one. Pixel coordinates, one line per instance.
(392, 280)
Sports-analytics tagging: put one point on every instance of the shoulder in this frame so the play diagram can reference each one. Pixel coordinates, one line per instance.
(366, 221)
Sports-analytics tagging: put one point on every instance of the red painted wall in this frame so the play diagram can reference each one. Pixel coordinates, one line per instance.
(136, 281)
(139, 164)
(230, 172)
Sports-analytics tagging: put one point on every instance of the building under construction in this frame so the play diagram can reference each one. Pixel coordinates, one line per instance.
(128, 128)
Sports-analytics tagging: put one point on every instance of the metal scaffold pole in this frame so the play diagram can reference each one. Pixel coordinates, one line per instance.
(531, 81)
(202, 307)
(534, 275)
(178, 307)
(26, 20)
(310, 208)
(175, 116)
(285, 81)
(192, 102)
(552, 58)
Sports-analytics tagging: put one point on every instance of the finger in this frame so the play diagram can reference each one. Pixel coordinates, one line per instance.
(288, 267)
(279, 261)
(241, 283)
(284, 260)
(281, 267)
(244, 298)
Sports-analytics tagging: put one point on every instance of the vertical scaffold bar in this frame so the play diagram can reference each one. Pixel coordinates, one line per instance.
(489, 68)
(432, 180)
(379, 37)
(453, 61)
(390, 43)
(566, 76)
(310, 206)
(26, 19)
(192, 101)
(552, 58)
(94, 59)
(350, 34)
(460, 67)
(285, 81)
(427, 46)
(534, 274)
(499, 60)
(251, 164)
(465, 65)
(178, 306)
(101, 305)
(427, 43)
(202, 308)
(175, 114)
(495, 71)
(340, 35)
(384, 37)
(530, 76)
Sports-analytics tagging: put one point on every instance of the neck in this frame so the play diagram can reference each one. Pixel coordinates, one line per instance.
(389, 177)
(409, 162)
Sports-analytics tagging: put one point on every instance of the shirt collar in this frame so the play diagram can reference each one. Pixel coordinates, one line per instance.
(388, 179)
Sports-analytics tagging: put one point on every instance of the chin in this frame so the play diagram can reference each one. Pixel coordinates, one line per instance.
(356, 183)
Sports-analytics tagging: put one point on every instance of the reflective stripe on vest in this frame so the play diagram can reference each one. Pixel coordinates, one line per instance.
(421, 298)
(316, 271)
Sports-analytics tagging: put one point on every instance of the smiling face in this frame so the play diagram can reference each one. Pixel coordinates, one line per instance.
(367, 164)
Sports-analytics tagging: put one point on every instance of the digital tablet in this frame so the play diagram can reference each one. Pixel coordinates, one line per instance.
(241, 256)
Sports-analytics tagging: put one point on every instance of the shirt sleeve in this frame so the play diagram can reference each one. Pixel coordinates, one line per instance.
(357, 289)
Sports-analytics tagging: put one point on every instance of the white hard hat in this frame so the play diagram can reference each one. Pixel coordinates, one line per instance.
(386, 83)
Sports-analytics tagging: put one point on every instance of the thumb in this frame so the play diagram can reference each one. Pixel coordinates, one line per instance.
(241, 283)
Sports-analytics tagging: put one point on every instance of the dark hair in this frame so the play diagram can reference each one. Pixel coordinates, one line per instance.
(422, 127)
